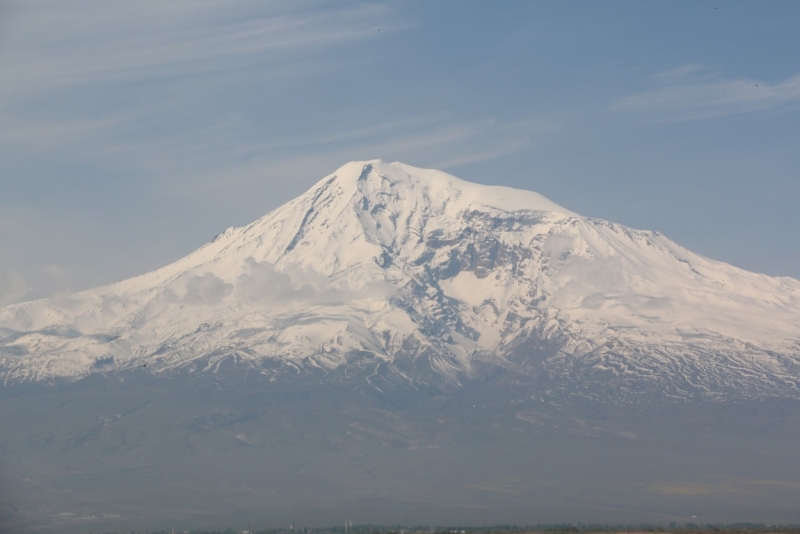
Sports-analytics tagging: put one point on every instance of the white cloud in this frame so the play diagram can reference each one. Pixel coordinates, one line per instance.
(13, 286)
(206, 289)
(691, 93)
(264, 284)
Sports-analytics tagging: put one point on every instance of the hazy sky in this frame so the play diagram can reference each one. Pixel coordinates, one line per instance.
(133, 132)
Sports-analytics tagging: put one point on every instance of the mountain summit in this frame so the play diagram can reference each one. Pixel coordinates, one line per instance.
(388, 275)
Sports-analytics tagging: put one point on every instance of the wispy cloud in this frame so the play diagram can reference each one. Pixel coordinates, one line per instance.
(235, 152)
(692, 93)
(169, 62)
(115, 72)
(87, 43)
(679, 72)
(237, 159)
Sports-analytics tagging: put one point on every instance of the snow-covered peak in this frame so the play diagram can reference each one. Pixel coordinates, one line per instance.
(388, 268)
(382, 177)
(363, 211)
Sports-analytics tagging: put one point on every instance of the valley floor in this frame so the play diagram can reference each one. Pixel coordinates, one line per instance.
(109, 455)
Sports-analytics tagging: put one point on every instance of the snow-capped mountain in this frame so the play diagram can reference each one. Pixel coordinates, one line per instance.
(387, 273)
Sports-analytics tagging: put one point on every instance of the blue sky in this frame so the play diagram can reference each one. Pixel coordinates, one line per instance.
(133, 132)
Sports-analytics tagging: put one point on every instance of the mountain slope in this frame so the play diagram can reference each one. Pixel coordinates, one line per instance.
(391, 276)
